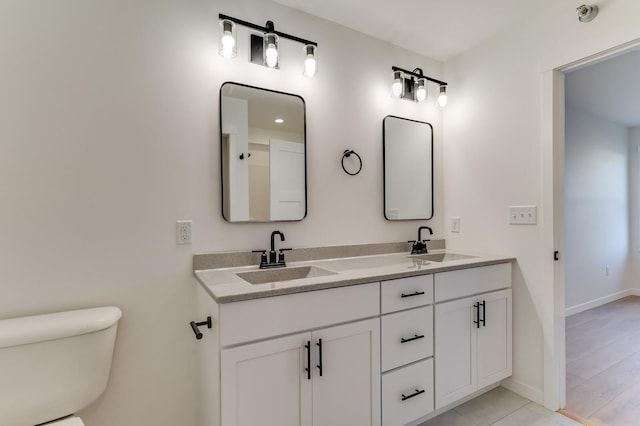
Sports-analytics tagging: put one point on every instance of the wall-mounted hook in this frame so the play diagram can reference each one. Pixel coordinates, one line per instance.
(242, 155)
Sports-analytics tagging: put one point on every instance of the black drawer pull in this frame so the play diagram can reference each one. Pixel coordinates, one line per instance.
(417, 293)
(416, 393)
(415, 337)
(319, 344)
(307, 346)
(476, 307)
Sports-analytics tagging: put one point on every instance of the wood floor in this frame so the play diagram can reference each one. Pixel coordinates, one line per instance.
(603, 363)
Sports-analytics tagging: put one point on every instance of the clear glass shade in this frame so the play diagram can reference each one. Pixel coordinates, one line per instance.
(271, 50)
(227, 42)
(311, 61)
(398, 84)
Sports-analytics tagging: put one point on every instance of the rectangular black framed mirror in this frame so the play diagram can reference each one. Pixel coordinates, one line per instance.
(408, 168)
(263, 154)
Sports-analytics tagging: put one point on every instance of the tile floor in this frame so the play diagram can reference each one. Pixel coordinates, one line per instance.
(500, 407)
(603, 363)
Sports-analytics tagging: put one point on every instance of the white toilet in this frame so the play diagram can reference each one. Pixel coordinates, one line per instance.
(53, 365)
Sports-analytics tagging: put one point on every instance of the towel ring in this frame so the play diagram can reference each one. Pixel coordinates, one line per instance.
(347, 153)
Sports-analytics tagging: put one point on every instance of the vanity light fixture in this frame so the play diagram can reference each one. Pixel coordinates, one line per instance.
(264, 46)
(412, 85)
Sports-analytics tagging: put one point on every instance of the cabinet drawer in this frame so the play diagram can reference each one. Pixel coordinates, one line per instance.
(406, 337)
(405, 293)
(467, 282)
(272, 316)
(397, 409)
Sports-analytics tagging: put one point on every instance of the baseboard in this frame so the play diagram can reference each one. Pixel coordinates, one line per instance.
(600, 301)
(529, 392)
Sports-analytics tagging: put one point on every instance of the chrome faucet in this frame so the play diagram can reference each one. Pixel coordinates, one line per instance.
(275, 259)
(420, 245)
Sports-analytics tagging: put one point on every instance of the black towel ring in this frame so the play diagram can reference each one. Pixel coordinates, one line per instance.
(347, 153)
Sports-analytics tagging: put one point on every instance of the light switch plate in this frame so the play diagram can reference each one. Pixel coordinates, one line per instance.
(523, 215)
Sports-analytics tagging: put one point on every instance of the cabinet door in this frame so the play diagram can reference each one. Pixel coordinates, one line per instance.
(348, 392)
(266, 383)
(494, 338)
(455, 350)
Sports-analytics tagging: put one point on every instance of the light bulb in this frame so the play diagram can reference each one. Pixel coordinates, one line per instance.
(442, 98)
(310, 63)
(228, 43)
(271, 50)
(227, 39)
(421, 92)
(396, 86)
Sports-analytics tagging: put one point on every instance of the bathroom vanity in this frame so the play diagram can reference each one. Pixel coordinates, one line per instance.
(377, 339)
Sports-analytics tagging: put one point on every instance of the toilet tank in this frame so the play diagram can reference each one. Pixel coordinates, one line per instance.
(53, 365)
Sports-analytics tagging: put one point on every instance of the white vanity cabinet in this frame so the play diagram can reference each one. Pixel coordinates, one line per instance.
(388, 353)
(407, 349)
(281, 361)
(472, 334)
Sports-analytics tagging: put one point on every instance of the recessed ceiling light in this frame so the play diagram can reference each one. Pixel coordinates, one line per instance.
(279, 120)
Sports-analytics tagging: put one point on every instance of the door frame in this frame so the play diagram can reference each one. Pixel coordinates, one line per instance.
(553, 143)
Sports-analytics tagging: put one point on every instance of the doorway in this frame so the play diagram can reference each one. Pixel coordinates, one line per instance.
(554, 82)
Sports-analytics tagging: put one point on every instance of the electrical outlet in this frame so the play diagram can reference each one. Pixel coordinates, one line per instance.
(455, 224)
(523, 215)
(183, 232)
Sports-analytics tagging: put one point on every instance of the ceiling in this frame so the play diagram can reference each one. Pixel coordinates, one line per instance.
(608, 89)
(439, 29)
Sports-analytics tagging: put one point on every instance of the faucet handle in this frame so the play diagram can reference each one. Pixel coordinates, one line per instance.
(281, 254)
(263, 256)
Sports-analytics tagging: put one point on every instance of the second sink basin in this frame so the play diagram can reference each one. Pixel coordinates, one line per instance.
(441, 257)
(264, 276)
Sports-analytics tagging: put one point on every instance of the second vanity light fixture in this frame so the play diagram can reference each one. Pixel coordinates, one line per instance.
(412, 85)
(264, 46)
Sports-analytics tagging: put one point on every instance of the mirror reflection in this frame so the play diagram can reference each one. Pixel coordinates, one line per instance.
(408, 169)
(263, 156)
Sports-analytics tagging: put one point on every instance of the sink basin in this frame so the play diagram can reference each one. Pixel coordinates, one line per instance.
(441, 257)
(283, 274)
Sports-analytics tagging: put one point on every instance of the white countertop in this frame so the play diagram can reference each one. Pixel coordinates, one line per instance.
(225, 286)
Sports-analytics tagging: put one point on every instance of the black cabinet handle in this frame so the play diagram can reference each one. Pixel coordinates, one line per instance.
(307, 346)
(417, 293)
(484, 313)
(476, 306)
(319, 344)
(416, 393)
(415, 337)
(195, 325)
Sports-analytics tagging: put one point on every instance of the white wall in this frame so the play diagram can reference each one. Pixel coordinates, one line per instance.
(109, 134)
(493, 154)
(596, 189)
